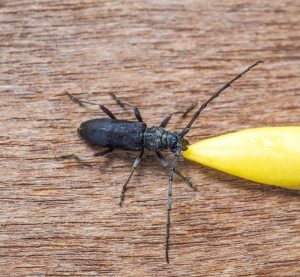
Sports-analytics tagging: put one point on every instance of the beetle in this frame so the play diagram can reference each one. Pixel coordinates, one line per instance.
(114, 133)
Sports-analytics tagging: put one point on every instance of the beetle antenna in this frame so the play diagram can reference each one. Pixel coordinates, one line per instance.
(215, 95)
(169, 206)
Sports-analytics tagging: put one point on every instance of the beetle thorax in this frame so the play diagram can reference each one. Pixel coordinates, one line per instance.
(157, 138)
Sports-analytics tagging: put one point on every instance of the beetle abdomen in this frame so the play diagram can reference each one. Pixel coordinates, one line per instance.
(112, 133)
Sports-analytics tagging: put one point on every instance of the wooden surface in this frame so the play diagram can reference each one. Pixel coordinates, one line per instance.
(61, 218)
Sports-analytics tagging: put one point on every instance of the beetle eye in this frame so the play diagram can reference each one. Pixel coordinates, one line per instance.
(185, 144)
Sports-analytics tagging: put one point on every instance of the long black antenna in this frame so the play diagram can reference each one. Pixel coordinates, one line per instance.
(169, 206)
(215, 95)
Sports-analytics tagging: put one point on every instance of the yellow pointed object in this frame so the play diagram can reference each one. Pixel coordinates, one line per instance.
(268, 155)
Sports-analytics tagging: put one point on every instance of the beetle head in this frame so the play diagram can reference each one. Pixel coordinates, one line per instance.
(176, 141)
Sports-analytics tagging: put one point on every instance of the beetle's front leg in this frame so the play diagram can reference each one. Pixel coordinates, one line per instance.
(165, 164)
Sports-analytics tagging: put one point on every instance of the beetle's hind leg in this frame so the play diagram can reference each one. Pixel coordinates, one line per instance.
(134, 166)
(104, 152)
(184, 112)
(75, 157)
(70, 156)
(123, 104)
(165, 164)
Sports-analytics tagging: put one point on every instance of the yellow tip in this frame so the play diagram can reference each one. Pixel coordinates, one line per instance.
(268, 155)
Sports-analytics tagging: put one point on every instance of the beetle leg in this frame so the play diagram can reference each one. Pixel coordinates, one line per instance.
(184, 112)
(120, 102)
(137, 114)
(70, 156)
(134, 166)
(107, 111)
(79, 101)
(165, 164)
(75, 157)
(104, 152)
(82, 102)
(123, 104)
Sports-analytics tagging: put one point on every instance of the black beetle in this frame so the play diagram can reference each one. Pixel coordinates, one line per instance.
(136, 136)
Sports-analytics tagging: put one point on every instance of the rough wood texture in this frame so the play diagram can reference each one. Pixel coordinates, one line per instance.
(61, 218)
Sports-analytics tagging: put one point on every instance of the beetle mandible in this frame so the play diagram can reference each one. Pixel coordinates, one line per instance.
(114, 133)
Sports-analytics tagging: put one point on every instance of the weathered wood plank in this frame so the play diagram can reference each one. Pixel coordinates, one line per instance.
(62, 218)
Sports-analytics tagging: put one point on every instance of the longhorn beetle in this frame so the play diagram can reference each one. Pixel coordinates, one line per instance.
(114, 133)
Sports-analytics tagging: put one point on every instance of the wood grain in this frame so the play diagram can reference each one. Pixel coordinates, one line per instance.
(61, 218)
